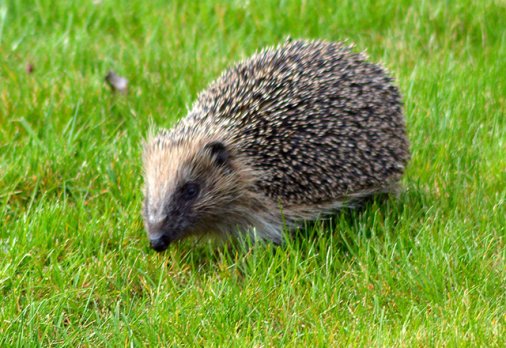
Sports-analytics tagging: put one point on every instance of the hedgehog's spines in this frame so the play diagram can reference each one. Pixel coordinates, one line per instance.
(311, 125)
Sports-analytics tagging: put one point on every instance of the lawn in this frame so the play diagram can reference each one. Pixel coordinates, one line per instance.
(424, 269)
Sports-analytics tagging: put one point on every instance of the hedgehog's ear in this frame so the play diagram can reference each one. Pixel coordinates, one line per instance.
(218, 152)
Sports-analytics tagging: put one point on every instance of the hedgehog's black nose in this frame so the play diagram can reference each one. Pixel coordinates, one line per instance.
(161, 243)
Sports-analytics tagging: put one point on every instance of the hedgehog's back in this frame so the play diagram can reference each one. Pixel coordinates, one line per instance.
(318, 121)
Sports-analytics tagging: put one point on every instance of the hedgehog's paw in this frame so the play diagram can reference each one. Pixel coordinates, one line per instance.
(266, 231)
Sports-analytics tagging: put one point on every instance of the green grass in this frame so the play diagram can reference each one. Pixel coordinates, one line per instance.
(426, 269)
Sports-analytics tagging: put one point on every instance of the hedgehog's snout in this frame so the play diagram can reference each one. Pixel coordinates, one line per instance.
(159, 236)
(161, 243)
(163, 231)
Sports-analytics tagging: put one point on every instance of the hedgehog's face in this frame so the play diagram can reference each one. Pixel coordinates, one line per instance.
(187, 189)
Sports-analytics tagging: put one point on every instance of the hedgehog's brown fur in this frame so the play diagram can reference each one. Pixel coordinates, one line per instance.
(295, 131)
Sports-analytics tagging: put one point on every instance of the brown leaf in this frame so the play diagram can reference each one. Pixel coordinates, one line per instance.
(117, 83)
(29, 68)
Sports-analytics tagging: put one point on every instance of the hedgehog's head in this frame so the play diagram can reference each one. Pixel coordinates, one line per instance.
(189, 187)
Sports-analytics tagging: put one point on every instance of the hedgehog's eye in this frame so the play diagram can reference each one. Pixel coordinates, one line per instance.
(190, 191)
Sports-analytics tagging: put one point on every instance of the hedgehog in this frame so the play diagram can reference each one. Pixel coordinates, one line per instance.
(291, 134)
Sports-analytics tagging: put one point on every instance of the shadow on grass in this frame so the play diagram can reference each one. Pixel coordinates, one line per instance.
(345, 232)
